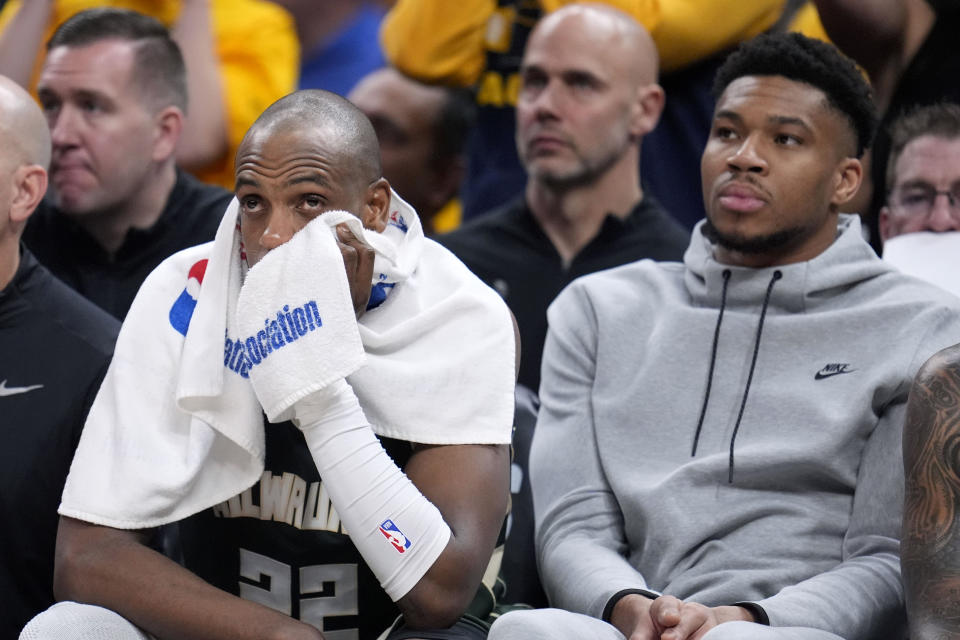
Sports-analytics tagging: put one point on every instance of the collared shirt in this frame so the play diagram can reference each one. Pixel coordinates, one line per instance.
(190, 217)
(508, 250)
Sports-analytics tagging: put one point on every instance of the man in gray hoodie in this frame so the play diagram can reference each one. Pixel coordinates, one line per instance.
(717, 454)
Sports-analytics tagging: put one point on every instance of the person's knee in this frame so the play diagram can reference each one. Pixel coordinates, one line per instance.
(534, 625)
(550, 624)
(74, 621)
(738, 631)
(518, 624)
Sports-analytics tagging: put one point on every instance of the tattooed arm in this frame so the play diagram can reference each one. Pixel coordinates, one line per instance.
(930, 548)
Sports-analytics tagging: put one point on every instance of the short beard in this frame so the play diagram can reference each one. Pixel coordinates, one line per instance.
(751, 246)
(584, 175)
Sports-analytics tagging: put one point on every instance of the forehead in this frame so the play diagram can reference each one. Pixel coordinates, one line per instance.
(103, 66)
(274, 153)
(575, 42)
(931, 159)
(777, 97)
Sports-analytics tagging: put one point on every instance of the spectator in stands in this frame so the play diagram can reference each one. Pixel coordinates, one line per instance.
(908, 48)
(588, 95)
(923, 178)
(114, 92)
(422, 130)
(241, 56)
(54, 350)
(717, 452)
(923, 172)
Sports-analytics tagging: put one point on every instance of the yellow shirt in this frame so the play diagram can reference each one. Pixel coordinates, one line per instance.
(449, 217)
(446, 42)
(807, 22)
(257, 46)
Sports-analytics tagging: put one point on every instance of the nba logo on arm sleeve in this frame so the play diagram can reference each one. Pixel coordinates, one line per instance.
(182, 309)
(395, 536)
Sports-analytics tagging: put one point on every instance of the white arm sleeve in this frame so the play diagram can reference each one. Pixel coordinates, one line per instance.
(397, 530)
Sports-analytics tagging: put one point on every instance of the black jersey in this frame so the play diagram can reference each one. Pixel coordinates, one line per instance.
(54, 350)
(281, 544)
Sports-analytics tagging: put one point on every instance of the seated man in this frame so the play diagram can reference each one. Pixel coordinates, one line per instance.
(924, 164)
(241, 56)
(717, 450)
(921, 217)
(588, 97)
(931, 548)
(422, 131)
(114, 89)
(54, 350)
(177, 431)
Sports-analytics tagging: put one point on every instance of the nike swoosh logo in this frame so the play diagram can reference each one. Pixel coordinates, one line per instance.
(12, 391)
(829, 373)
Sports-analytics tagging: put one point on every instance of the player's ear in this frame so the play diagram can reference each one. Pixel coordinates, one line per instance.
(376, 205)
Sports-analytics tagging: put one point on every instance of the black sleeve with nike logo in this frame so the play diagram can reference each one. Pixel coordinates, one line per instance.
(55, 347)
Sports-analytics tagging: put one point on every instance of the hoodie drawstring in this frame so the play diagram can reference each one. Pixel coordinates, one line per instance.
(713, 360)
(753, 363)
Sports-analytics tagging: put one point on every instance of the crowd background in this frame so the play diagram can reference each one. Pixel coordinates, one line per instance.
(440, 82)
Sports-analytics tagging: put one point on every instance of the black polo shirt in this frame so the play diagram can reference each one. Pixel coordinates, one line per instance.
(190, 217)
(508, 250)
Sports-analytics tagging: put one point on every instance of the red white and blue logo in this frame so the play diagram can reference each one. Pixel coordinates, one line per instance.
(395, 536)
(396, 220)
(182, 309)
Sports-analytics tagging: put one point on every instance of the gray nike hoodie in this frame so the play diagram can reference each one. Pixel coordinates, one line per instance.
(726, 434)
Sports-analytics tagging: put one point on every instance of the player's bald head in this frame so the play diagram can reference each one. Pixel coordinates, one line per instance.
(24, 135)
(625, 41)
(333, 121)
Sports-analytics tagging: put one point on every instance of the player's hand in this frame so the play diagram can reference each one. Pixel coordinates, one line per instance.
(631, 616)
(681, 620)
(358, 261)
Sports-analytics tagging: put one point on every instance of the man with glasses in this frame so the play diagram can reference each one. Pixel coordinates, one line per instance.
(920, 220)
(923, 173)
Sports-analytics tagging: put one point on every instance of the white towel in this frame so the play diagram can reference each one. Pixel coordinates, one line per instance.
(176, 426)
(928, 255)
(296, 318)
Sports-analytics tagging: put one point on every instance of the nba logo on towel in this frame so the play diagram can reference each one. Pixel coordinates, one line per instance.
(394, 536)
(396, 219)
(182, 309)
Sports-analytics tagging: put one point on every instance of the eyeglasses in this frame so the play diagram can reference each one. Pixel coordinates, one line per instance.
(919, 200)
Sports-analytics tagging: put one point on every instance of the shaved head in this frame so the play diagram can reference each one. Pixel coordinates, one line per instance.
(337, 123)
(626, 41)
(588, 95)
(23, 128)
(24, 158)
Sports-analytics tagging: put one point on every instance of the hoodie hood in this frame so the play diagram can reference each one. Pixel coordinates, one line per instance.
(792, 288)
(803, 285)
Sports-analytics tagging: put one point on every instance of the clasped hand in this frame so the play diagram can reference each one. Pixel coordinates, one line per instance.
(668, 618)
